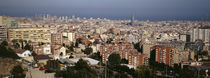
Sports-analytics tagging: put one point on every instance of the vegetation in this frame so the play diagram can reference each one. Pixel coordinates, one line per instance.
(96, 56)
(124, 61)
(80, 70)
(53, 65)
(114, 59)
(18, 72)
(78, 41)
(6, 52)
(138, 47)
(4, 43)
(28, 47)
(145, 72)
(88, 50)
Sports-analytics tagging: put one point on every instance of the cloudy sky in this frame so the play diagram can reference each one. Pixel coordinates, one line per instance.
(113, 9)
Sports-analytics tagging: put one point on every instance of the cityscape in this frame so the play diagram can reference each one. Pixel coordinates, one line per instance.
(104, 39)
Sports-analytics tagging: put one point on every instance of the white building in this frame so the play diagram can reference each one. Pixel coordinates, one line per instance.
(22, 53)
(47, 49)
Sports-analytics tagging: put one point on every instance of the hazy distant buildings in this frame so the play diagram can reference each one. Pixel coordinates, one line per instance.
(9, 22)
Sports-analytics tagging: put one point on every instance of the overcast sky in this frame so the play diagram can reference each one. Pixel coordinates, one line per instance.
(114, 9)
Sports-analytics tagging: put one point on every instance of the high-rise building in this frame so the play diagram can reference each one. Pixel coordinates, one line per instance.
(3, 32)
(132, 20)
(163, 54)
(201, 33)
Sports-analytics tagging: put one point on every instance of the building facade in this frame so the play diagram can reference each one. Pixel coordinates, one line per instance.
(3, 32)
(163, 54)
(202, 33)
(32, 34)
(126, 51)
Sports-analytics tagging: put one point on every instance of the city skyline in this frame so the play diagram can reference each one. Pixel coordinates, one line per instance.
(117, 9)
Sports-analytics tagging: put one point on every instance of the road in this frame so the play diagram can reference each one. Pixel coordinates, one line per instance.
(36, 73)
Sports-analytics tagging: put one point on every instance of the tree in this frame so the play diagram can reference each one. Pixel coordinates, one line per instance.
(34, 54)
(204, 53)
(138, 47)
(81, 64)
(28, 47)
(114, 59)
(21, 41)
(8, 53)
(80, 70)
(18, 72)
(96, 56)
(14, 41)
(4, 43)
(53, 65)
(124, 61)
(16, 45)
(71, 48)
(145, 72)
(79, 40)
(88, 50)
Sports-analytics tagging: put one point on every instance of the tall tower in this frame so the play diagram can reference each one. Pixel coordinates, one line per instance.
(132, 20)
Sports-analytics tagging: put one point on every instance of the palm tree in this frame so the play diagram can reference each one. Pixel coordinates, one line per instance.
(21, 41)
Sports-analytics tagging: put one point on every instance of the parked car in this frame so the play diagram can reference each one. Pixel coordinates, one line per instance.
(42, 68)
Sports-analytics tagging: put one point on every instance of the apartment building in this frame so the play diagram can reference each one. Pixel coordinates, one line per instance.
(163, 54)
(32, 34)
(126, 51)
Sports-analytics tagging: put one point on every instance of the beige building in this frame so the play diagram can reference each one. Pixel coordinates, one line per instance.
(33, 34)
(182, 55)
(146, 48)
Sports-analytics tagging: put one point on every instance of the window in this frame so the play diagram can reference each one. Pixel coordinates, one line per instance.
(25, 31)
(134, 61)
(126, 55)
(105, 49)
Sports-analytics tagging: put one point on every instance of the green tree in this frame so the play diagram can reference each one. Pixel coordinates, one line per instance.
(53, 65)
(14, 41)
(21, 41)
(124, 61)
(80, 70)
(96, 56)
(4, 43)
(88, 50)
(16, 45)
(18, 72)
(138, 47)
(8, 53)
(114, 59)
(145, 72)
(34, 54)
(28, 47)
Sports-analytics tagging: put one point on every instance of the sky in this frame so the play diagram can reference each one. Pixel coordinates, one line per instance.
(112, 9)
